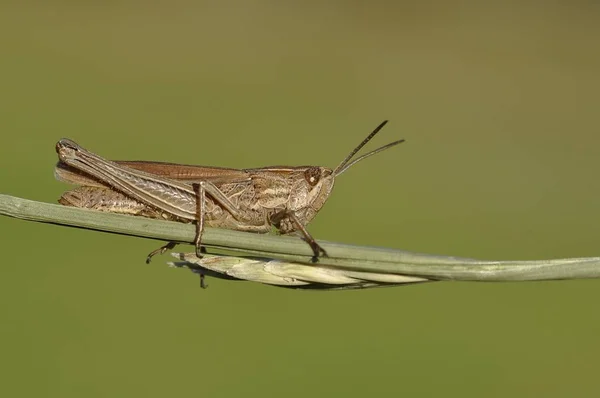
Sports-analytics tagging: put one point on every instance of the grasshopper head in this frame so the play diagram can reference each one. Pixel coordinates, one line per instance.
(318, 181)
(311, 191)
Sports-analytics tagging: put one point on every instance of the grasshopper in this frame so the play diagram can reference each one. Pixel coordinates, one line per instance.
(256, 200)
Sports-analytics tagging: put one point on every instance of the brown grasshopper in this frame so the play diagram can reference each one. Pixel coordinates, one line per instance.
(256, 200)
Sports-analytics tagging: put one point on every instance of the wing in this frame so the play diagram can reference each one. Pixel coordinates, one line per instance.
(180, 172)
(189, 173)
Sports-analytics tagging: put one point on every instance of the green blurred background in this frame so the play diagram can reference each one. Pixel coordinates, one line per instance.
(499, 107)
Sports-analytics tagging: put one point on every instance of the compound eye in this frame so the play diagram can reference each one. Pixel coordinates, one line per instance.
(312, 175)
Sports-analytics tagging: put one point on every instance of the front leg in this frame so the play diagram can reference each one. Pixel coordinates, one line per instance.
(298, 226)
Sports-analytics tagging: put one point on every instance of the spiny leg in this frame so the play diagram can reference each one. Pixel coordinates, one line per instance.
(160, 250)
(200, 211)
(203, 283)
